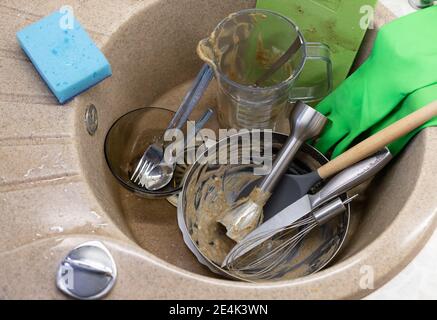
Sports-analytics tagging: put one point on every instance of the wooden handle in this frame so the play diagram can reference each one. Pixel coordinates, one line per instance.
(379, 140)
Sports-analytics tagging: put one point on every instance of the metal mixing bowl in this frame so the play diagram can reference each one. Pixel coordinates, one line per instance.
(318, 249)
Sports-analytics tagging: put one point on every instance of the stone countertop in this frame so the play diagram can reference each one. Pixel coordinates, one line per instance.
(417, 281)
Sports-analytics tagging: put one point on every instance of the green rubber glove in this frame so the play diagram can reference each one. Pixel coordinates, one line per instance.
(403, 62)
(413, 102)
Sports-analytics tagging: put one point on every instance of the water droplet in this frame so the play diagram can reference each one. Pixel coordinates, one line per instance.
(29, 172)
(55, 52)
(57, 229)
(96, 214)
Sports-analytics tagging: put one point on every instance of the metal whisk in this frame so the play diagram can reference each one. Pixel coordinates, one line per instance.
(271, 256)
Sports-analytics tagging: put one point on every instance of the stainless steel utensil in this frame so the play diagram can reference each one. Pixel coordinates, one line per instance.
(341, 183)
(303, 183)
(421, 4)
(126, 141)
(306, 123)
(296, 45)
(155, 152)
(161, 175)
(265, 265)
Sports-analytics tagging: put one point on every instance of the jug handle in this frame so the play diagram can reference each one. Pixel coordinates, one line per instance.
(316, 51)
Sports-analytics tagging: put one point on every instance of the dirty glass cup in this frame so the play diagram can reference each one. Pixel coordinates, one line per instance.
(242, 48)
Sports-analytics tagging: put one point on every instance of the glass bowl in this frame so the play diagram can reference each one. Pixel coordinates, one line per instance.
(128, 139)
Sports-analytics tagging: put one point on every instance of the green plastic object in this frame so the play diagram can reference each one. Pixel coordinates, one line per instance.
(413, 102)
(337, 23)
(399, 77)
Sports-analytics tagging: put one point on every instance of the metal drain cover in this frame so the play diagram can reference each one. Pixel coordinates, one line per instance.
(88, 272)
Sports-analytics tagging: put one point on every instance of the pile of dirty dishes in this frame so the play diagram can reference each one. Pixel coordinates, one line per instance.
(207, 184)
(291, 221)
(263, 246)
(226, 220)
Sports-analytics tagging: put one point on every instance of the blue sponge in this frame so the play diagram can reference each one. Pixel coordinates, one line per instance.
(65, 57)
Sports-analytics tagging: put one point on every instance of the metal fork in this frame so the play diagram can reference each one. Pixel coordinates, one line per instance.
(154, 154)
(162, 174)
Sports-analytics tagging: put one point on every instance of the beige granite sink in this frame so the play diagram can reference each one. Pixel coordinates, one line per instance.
(56, 190)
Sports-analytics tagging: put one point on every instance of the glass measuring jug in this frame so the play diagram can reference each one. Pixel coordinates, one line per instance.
(241, 49)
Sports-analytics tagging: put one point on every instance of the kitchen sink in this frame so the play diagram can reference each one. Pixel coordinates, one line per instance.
(57, 190)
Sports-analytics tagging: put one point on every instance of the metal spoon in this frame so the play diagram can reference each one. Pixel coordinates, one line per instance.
(296, 45)
(161, 175)
(154, 154)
